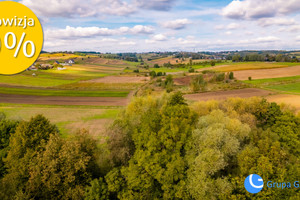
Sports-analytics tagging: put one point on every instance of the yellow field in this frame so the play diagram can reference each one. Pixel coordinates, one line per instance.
(252, 65)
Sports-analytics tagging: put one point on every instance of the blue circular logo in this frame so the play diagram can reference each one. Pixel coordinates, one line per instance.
(254, 183)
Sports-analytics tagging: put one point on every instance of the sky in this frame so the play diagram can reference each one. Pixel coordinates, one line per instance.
(168, 25)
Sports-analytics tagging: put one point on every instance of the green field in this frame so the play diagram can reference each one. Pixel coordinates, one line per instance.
(67, 118)
(69, 93)
(54, 77)
(285, 84)
(291, 87)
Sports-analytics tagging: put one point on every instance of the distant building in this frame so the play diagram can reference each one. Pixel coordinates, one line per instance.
(71, 61)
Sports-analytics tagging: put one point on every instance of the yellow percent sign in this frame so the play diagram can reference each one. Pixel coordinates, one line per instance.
(21, 37)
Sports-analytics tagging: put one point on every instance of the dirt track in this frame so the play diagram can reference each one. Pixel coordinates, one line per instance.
(52, 100)
(267, 73)
(221, 95)
(120, 79)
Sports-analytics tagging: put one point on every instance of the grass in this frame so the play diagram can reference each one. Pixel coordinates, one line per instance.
(54, 77)
(254, 65)
(269, 81)
(69, 93)
(284, 84)
(291, 87)
(68, 119)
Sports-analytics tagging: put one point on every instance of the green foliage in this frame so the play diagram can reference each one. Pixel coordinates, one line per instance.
(28, 139)
(249, 78)
(216, 140)
(7, 128)
(198, 83)
(152, 74)
(231, 75)
(156, 66)
(212, 63)
(157, 167)
(220, 77)
(191, 70)
(97, 190)
(169, 83)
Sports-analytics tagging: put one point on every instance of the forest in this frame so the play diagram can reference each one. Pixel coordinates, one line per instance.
(158, 148)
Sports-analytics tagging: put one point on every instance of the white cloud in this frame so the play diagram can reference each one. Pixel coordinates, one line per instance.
(87, 8)
(160, 37)
(129, 43)
(231, 26)
(155, 4)
(266, 39)
(255, 9)
(276, 21)
(298, 38)
(157, 38)
(176, 24)
(85, 32)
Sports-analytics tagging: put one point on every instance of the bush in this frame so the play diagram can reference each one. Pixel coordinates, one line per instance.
(136, 71)
(231, 76)
(152, 74)
(198, 83)
(156, 66)
(220, 77)
(159, 74)
(191, 70)
(250, 78)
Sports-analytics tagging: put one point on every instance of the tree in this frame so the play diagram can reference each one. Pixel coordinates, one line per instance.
(168, 83)
(236, 58)
(231, 76)
(157, 167)
(216, 140)
(7, 128)
(97, 190)
(198, 83)
(24, 144)
(156, 66)
(60, 171)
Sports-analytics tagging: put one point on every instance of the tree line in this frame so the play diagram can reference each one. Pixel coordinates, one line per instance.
(158, 148)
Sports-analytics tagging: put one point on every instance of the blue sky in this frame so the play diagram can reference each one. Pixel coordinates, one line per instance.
(168, 25)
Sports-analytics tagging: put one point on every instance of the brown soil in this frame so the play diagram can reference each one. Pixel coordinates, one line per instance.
(120, 79)
(293, 100)
(221, 95)
(183, 80)
(267, 73)
(52, 100)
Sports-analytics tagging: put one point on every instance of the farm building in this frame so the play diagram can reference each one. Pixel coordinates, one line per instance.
(71, 61)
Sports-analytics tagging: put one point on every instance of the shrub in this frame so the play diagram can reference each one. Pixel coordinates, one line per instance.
(231, 76)
(156, 66)
(152, 74)
(159, 74)
(136, 71)
(220, 77)
(250, 78)
(191, 70)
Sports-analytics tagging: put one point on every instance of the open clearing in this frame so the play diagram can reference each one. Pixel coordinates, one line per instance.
(293, 100)
(120, 79)
(267, 73)
(60, 100)
(221, 95)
